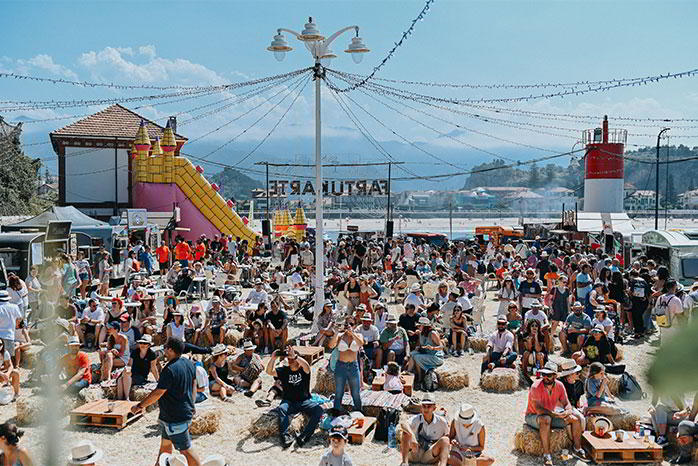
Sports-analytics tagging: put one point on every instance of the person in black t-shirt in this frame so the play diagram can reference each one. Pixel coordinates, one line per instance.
(277, 326)
(596, 348)
(408, 321)
(640, 293)
(175, 394)
(295, 381)
(141, 363)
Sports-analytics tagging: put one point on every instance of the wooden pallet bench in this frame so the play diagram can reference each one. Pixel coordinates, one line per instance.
(312, 354)
(97, 414)
(631, 450)
(379, 380)
(358, 434)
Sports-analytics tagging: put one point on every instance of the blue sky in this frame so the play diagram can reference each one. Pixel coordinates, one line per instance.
(204, 42)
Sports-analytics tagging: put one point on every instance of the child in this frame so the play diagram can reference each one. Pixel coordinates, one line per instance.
(335, 455)
(599, 398)
(393, 379)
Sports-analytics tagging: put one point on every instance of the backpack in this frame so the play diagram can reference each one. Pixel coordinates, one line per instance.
(430, 381)
(629, 388)
(481, 268)
(386, 418)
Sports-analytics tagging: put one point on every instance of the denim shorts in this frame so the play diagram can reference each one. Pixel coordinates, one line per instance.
(177, 433)
(556, 422)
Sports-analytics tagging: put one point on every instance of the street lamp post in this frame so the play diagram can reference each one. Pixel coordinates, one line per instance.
(656, 192)
(319, 48)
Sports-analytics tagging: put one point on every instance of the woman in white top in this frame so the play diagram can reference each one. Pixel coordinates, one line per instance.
(600, 317)
(34, 287)
(507, 294)
(175, 329)
(467, 436)
(348, 343)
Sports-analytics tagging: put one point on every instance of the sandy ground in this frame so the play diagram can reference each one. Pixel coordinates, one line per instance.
(502, 414)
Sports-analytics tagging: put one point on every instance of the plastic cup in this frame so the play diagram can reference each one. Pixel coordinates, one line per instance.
(110, 406)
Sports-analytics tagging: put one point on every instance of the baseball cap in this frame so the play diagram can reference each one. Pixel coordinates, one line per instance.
(339, 431)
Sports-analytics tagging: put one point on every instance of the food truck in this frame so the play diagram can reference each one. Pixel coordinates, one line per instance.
(21, 250)
(677, 250)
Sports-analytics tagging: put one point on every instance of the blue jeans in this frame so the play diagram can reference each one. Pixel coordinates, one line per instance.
(347, 372)
(511, 358)
(647, 318)
(77, 386)
(288, 409)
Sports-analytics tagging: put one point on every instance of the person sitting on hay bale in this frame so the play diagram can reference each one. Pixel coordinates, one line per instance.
(688, 430)
(599, 397)
(500, 352)
(425, 438)
(219, 373)
(535, 352)
(596, 348)
(142, 362)
(249, 365)
(575, 329)
(467, 436)
(395, 344)
(427, 356)
(76, 365)
(325, 324)
(569, 376)
(548, 408)
(295, 380)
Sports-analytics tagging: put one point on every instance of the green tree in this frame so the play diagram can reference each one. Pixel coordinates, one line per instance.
(19, 174)
(534, 178)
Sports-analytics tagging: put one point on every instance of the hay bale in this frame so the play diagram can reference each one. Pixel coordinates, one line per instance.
(93, 393)
(695, 456)
(28, 410)
(30, 356)
(613, 383)
(452, 378)
(139, 394)
(477, 344)
(624, 421)
(232, 337)
(324, 382)
(206, 422)
(527, 440)
(500, 380)
(267, 425)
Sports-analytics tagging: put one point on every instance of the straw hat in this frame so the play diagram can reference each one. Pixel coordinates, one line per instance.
(568, 367)
(549, 368)
(423, 321)
(391, 319)
(145, 339)
(219, 349)
(466, 413)
(84, 452)
(214, 460)
(366, 317)
(73, 341)
(415, 287)
(173, 459)
(248, 345)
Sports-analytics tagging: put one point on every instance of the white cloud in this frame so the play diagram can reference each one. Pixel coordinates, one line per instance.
(45, 62)
(113, 64)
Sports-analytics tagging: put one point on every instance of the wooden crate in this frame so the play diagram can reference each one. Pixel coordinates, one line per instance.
(379, 380)
(631, 450)
(358, 434)
(312, 354)
(95, 414)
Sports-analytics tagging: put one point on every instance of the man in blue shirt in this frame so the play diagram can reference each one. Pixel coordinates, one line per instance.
(175, 394)
(575, 329)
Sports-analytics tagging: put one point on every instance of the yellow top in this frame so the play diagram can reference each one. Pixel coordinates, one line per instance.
(157, 150)
(168, 140)
(142, 138)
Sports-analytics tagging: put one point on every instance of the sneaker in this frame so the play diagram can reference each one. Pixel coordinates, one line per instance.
(662, 441)
(579, 454)
(547, 460)
(249, 393)
(300, 441)
(262, 403)
(460, 353)
(286, 440)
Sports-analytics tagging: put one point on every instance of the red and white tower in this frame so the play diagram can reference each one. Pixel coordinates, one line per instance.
(603, 169)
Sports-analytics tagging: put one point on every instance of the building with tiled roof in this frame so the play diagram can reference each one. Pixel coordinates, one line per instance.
(94, 163)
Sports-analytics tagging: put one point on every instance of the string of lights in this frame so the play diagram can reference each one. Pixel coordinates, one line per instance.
(422, 14)
(573, 84)
(568, 92)
(307, 79)
(459, 126)
(24, 77)
(273, 128)
(55, 104)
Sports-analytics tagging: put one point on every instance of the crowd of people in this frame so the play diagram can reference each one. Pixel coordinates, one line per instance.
(397, 305)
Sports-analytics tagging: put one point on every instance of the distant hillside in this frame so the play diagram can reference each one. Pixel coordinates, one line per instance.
(235, 184)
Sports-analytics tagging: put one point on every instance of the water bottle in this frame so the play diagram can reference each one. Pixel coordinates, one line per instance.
(391, 436)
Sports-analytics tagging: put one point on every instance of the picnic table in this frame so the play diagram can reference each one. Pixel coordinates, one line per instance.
(631, 450)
